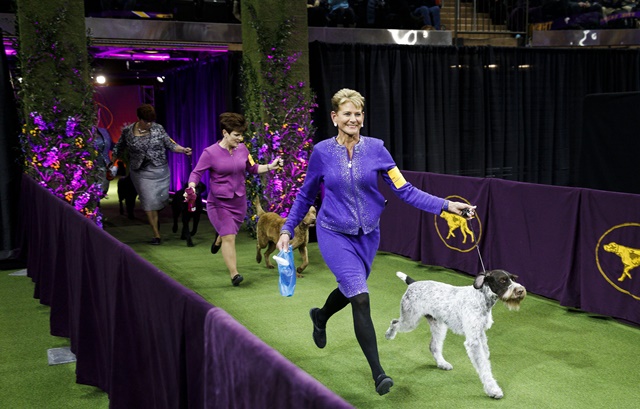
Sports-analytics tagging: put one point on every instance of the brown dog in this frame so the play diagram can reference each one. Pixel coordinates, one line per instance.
(268, 232)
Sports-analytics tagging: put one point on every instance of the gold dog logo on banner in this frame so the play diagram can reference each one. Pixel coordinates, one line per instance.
(616, 259)
(459, 236)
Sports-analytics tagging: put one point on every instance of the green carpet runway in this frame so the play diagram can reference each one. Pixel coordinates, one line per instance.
(543, 356)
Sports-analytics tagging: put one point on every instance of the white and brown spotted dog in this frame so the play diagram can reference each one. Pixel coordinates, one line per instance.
(464, 310)
(268, 232)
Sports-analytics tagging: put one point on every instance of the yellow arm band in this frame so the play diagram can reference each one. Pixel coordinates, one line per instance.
(396, 177)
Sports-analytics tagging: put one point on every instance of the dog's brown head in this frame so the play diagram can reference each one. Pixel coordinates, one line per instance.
(310, 218)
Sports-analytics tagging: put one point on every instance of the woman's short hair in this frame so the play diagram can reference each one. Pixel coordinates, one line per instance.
(347, 95)
(231, 121)
(146, 112)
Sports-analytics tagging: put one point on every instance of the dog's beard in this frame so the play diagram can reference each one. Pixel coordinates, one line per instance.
(512, 305)
(513, 300)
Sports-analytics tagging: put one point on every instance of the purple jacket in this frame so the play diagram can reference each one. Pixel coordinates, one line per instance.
(226, 171)
(352, 200)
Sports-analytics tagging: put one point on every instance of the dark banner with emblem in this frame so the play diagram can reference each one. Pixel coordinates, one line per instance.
(578, 246)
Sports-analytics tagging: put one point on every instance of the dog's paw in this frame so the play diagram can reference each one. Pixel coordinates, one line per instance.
(391, 332)
(444, 365)
(493, 391)
(496, 394)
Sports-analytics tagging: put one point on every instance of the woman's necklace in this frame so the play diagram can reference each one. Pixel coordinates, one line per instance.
(140, 130)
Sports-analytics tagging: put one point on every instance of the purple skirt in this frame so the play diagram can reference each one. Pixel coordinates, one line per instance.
(227, 215)
(349, 257)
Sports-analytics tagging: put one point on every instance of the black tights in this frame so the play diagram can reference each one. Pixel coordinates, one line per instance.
(362, 324)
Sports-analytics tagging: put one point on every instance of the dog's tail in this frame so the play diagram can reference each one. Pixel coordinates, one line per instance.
(259, 209)
(405, 278)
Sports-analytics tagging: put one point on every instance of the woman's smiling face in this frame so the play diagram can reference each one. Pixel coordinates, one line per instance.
(348, 119)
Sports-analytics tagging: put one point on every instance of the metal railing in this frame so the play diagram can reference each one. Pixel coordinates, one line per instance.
(487, 19)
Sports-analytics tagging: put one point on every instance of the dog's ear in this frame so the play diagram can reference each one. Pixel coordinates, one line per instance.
(479, 281)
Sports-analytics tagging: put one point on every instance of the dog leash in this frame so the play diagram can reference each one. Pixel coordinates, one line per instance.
(465, 214)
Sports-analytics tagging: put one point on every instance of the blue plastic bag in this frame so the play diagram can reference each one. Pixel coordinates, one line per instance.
(286, 272)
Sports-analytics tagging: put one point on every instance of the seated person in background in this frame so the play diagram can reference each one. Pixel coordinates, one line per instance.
(396, 14)
(372, 5)
(316, 13)
(341, 14)
(565, 8)
(429, 10)
(580, 7)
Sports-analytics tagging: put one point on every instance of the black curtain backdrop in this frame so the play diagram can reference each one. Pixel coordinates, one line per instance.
(10, 164)
(611, 127)
(512, 113)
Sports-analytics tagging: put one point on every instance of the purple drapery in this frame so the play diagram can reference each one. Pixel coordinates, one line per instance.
(195, 97)
(140, 336)
(568, 244)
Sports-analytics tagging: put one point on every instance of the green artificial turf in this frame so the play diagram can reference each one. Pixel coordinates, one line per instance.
(543, 356)
(26, 378)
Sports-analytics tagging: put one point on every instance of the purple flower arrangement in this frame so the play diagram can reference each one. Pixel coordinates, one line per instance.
(287, 133)
(60, 155)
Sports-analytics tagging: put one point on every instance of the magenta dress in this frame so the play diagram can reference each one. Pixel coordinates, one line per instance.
(226, 201)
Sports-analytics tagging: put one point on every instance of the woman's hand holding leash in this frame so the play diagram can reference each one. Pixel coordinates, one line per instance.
(463, 209)
(276, 163)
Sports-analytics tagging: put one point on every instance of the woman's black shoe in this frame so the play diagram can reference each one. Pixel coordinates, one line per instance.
(214, 247)
(236, 280)
(383, 384)
(155, 241)
(319, 334)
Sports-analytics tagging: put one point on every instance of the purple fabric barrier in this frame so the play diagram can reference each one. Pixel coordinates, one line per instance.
(244, 372)
(531, 231)
(425, 237)
(609, 245)
(137, 333)
(568, 244)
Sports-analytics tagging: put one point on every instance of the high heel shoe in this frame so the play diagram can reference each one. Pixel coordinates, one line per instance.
(215, 247)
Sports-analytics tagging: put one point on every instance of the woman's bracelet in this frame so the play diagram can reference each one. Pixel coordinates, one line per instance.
(287, 232)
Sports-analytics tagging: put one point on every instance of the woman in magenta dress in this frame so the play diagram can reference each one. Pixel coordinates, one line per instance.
(228, 161)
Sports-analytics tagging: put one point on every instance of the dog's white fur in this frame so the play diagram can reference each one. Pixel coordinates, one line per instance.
(465, 310)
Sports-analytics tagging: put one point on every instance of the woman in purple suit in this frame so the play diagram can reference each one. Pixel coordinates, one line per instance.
(228, 161)
(347, 226)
